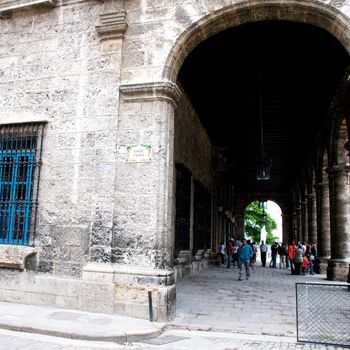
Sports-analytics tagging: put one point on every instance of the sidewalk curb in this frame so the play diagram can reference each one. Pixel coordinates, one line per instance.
(119, 338)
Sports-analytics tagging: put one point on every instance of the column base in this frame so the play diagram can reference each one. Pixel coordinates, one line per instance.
(186, 264)
(338, 271)
(126, 290)
(183, 264)
(323, 264)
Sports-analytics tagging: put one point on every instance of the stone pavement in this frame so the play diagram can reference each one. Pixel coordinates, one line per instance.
(76, 324)
(215, 300)
(214, 311)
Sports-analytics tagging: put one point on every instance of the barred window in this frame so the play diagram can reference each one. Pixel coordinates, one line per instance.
(20, 160)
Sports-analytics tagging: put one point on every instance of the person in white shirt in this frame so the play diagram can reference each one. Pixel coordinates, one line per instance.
(263, 253)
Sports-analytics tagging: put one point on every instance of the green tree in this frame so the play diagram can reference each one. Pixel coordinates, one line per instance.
(252, 220)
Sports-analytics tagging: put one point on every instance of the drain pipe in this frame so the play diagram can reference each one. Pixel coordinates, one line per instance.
(150, 308)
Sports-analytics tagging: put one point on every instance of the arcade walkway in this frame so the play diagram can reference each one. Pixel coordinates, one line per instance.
(215, 300)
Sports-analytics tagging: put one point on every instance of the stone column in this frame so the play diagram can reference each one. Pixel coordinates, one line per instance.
(304, 221)
(312, 217)
(286, 228)
(299, 224)
(239, 219)
(338, 266)
(323, 220)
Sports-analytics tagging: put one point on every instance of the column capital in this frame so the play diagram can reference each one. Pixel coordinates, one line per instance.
(153, 91)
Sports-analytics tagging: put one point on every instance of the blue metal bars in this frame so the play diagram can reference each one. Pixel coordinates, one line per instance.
(18, 165)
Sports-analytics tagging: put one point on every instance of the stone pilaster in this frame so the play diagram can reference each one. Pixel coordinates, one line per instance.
(298, 222)
(304, 222)
(312, 217)
(338, 266)
(286, 228)
(111, 31)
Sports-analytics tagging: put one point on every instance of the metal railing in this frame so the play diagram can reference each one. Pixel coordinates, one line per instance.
(323, 313)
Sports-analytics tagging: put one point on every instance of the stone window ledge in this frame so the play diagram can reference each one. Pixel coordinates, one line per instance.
(14, 256)
(13, 5)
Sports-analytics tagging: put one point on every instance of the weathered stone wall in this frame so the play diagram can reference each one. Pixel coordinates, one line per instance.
(192, 144)
(52, 69)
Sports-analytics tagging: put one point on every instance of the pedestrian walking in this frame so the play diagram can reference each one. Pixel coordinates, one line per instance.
(291, 256)
(222, 252)
(282, 252)
(263, 253)
(235, 254)
(229, 251)
(299, 252)
(245, 252)
(274, 252)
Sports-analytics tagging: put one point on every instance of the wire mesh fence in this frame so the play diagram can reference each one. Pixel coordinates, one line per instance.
(323, 313)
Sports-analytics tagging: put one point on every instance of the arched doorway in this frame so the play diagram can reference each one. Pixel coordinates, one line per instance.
(256, 83)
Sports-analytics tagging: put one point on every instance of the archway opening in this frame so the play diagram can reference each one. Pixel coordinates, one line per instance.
(293, 68)
(263, 221)
(281, 74)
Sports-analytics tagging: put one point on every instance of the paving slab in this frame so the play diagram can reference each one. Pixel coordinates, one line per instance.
(76, 324)
(215, 299)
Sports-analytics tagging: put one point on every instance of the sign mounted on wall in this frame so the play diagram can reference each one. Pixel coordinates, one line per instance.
(138, 153)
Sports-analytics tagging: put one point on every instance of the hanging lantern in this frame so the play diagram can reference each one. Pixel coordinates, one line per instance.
(263, 170)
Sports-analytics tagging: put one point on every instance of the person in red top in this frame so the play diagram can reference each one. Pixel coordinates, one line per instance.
(305, 265)
(291, 256)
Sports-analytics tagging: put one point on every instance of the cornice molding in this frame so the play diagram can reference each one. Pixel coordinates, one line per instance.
(14, 5)
(112, 25)
(156, 91)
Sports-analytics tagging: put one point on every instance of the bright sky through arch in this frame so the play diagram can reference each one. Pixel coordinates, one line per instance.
(275, 212)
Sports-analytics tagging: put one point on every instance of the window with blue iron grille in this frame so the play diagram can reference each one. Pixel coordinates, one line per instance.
(20, 159)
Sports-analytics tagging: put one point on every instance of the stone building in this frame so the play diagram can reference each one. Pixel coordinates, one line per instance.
(130, 133)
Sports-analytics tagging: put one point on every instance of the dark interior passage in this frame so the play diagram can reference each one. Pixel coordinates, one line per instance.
(292, 68)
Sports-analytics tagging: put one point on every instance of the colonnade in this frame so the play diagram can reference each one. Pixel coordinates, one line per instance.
(322, 217)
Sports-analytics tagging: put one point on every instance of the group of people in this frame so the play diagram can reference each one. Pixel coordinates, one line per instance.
(242, 253)
(301, 257)
(276, 250)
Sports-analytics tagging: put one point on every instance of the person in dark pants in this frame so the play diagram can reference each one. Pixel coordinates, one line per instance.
(229, 251)
(274, 252)
(222, 252)
(263, 253)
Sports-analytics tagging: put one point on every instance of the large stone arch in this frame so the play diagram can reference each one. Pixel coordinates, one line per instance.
(315, 13)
